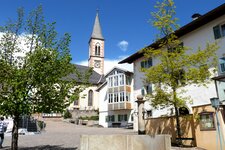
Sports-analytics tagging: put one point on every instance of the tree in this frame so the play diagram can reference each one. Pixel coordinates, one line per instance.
(35, 64)
(178, 66)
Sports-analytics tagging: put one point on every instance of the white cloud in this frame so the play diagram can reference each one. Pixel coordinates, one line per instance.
(123, 45)
(83, 63)
(109, 64)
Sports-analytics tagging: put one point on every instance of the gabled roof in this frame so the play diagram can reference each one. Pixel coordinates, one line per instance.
(120, 69)
(113, 69)
(95, 77)
(195, 24)
(97, 31)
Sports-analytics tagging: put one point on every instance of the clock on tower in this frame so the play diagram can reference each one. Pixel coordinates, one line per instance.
(97, 64)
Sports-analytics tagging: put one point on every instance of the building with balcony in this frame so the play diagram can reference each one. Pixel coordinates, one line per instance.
(116, 99)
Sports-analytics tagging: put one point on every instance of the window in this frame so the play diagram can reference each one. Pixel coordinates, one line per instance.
(97, 49)
(206, 121)
(110, 81)
(115, 80)
(90, 98)
(116, 98)
(110, 96)
(76, 102)
(148, 89)
(121, 79)
(127, 96)
(223, 29)
(125, 117)
(128, 80)
(122, 117)
(146, 63)
(222, 65)
(122, 97)
(176, 49)
(219, 31)
(143, 91)
(110, 118)
(149, 113)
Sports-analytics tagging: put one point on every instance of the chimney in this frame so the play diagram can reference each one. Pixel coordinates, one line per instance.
(195, 16)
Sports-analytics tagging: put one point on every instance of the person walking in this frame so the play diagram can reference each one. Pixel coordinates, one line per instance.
(3, 127)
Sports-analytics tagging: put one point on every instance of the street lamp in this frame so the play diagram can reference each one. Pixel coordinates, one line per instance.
(215, 102)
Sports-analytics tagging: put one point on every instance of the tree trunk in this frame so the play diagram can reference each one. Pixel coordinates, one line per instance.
(14, 144)
(178, 126)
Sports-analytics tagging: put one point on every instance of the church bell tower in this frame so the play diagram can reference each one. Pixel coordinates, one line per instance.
(96, 48)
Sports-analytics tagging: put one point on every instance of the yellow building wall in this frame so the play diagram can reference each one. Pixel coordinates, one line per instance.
(167, 125)
(190, 128)
(207, 138)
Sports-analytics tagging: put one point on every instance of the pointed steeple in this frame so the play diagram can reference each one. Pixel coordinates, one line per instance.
(97, 31)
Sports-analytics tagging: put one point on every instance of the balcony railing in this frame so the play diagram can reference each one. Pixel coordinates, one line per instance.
(119, 106)
(119, 89)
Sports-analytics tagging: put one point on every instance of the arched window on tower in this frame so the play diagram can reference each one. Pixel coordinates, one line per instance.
(90, 98)
(97, 49)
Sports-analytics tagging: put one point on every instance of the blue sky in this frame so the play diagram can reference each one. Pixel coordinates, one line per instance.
(121, 20)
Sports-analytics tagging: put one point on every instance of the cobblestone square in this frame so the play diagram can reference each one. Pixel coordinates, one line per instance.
(60, 135)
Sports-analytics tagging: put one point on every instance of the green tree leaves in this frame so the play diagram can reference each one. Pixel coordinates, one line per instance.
(177, 66)
(34, 62)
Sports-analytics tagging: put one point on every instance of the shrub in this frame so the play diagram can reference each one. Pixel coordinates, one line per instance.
(41, 124)
(89, 118)
(67, 114)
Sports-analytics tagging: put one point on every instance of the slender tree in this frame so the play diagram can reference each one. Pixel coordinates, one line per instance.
(35, 64)
(178, 66)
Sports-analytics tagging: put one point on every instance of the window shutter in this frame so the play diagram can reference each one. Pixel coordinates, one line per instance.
(143, 91)
(142, 64)
(119, 119)
(222, 66)
(113, 118)
(216, 31)
(106, 118)
(149, 62)
(125, 117)
(149, 89)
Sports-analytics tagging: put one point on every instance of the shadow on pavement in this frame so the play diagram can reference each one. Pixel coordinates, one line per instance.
(44, 147)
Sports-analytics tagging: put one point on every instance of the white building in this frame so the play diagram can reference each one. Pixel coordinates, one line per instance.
(116, 99)
(209, 27)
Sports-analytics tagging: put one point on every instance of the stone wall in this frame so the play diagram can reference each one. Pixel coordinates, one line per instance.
(125, 142)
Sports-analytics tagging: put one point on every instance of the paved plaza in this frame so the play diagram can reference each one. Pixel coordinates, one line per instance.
(60, 135)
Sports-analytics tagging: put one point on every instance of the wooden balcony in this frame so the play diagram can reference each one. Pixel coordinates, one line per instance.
(119, 106)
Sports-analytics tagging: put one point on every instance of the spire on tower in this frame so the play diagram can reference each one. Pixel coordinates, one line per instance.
(97, 31)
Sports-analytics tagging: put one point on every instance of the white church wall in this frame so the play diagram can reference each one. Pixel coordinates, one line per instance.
(103, 106)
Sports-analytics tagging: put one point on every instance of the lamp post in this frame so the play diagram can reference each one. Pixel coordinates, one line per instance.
(141, 122)
(215, 102)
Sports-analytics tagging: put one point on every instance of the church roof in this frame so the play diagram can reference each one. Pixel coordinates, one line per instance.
(95, 77)
(97, 31)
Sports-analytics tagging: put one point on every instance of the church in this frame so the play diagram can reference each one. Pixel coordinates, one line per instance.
(88, 99)
(110, 95)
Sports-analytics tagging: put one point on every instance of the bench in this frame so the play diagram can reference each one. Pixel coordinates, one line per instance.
(130, 126)
(183, 139)
(116, 124)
